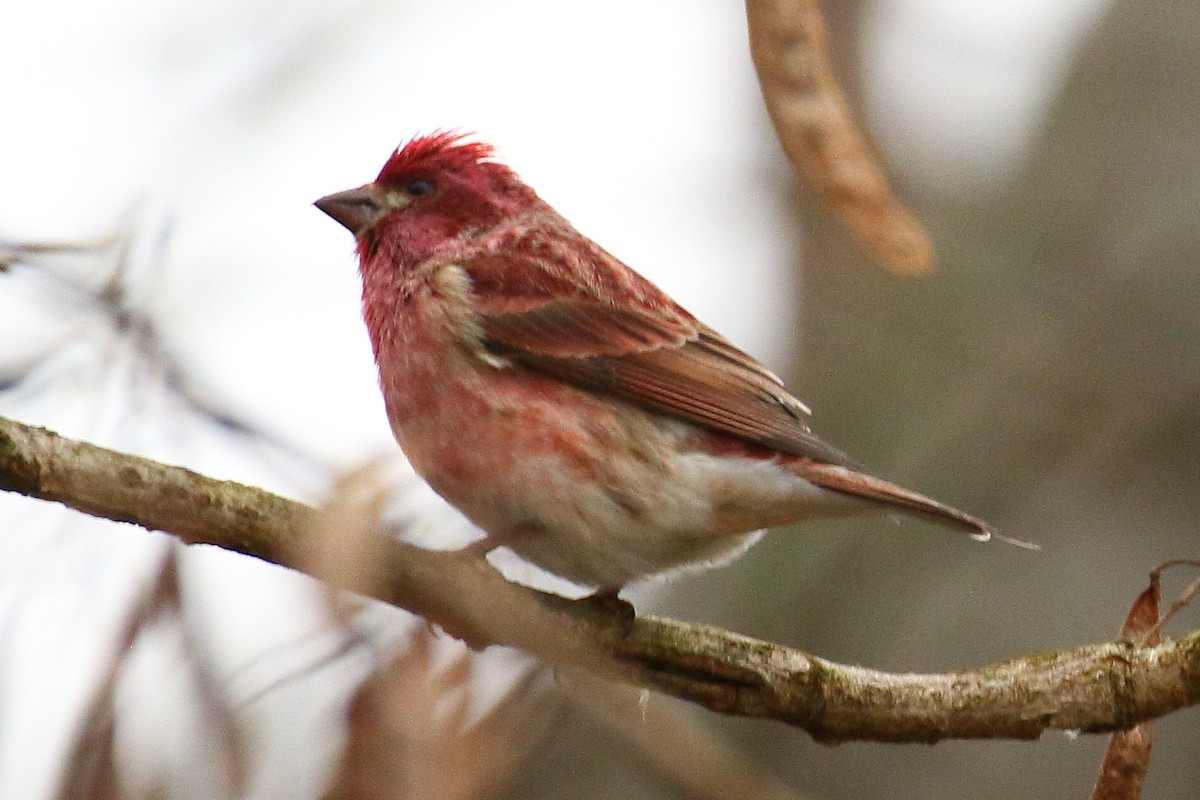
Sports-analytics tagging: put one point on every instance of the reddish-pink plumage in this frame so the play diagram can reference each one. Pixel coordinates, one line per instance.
(564, 403)
(437, 152)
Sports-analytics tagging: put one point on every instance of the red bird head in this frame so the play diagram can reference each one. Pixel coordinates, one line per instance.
(433, 189)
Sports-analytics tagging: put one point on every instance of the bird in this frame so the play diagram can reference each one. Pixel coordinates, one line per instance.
(565, 404)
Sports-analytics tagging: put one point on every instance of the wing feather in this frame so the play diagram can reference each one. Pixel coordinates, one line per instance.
(553, 301)
(564, 307)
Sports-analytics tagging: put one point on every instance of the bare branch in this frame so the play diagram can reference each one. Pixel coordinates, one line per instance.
(1096, 688)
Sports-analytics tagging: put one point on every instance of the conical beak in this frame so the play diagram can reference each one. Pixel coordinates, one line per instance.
(356, 209)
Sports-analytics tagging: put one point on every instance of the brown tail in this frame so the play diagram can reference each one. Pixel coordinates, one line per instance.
(859, 484)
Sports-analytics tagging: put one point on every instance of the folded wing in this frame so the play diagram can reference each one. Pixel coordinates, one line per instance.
(566, 308)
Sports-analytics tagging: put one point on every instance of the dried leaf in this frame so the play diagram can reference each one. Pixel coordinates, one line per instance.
(1182, 600)
(1127, 758)
(409, 735)
(814, 125)
(344, 542)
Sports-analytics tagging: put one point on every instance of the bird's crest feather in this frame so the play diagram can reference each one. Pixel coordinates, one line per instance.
(436, 152)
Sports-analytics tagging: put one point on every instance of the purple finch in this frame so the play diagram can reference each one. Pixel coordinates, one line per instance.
(564, 403)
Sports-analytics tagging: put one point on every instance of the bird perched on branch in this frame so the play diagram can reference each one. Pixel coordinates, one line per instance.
(564, 403)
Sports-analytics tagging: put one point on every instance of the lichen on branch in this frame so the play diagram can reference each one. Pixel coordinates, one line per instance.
(1096, 688)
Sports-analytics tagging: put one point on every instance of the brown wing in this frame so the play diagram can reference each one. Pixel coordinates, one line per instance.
(570, 310)
(553, 301)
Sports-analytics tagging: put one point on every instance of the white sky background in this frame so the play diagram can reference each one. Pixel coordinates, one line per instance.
(215, 123)
(986, 71)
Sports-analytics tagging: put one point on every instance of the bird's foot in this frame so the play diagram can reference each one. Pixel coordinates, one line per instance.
(608, 600)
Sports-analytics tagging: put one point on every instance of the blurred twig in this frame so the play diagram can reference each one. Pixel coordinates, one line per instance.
(1096, 688)
(788, 45)
(682, 750)
(91, 767)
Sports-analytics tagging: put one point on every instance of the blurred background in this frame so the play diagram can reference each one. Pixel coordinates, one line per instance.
(171, 291)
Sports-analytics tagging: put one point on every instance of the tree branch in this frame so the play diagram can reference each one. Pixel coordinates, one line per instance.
(1096, 688)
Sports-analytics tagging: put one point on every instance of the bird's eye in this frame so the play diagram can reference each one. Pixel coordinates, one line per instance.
(418, 187)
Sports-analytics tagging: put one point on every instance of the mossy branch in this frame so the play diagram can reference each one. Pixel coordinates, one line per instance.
(1096, 688)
